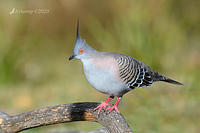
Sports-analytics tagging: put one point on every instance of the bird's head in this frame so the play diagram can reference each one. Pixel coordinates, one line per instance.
(81, 48)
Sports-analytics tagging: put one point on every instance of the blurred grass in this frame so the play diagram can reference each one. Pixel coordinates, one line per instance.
(35, 71)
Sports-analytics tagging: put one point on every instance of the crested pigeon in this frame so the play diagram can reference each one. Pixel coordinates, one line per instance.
(114, 74)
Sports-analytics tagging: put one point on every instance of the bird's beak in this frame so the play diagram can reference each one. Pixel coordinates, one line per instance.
(71, 57)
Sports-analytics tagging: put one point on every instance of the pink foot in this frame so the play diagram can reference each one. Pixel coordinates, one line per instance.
(112, 108)
(103, 105)
(115, 106)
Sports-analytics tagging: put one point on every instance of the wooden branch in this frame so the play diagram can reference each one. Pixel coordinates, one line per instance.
(113, 122)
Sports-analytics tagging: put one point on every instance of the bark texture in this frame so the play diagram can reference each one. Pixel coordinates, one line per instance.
(112, 122)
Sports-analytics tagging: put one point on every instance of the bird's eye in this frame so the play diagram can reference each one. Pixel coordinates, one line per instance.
(81, 51)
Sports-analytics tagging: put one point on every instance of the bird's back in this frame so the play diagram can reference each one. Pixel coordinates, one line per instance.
(115, 74)
(136, 74)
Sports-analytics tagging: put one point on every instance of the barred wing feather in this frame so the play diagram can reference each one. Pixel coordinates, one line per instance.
(133, 72)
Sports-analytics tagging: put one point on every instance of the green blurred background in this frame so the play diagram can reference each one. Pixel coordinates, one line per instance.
(35, 71)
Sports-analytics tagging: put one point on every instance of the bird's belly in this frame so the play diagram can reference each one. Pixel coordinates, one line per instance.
(104, 81)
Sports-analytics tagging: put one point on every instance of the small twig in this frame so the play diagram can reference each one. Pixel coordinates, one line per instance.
(113, 122)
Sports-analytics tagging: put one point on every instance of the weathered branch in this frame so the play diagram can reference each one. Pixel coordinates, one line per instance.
(113, 122)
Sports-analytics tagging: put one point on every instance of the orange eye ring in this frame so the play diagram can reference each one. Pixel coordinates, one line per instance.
(81, 51)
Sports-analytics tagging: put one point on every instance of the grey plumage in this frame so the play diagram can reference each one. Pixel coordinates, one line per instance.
(137, 74)
(112, 73)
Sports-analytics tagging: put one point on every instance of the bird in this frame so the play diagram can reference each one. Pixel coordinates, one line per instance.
(112, 73)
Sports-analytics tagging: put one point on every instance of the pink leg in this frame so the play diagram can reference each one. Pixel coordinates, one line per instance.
(104, 104)
(115, 106)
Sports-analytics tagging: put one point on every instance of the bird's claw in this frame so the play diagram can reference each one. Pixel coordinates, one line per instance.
(112, 108)
(103, 105)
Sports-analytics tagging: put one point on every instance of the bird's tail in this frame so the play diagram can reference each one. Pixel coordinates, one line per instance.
(159, 77)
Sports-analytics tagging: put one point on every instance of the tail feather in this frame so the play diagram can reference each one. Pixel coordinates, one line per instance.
(171, 81)
(160, 77)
